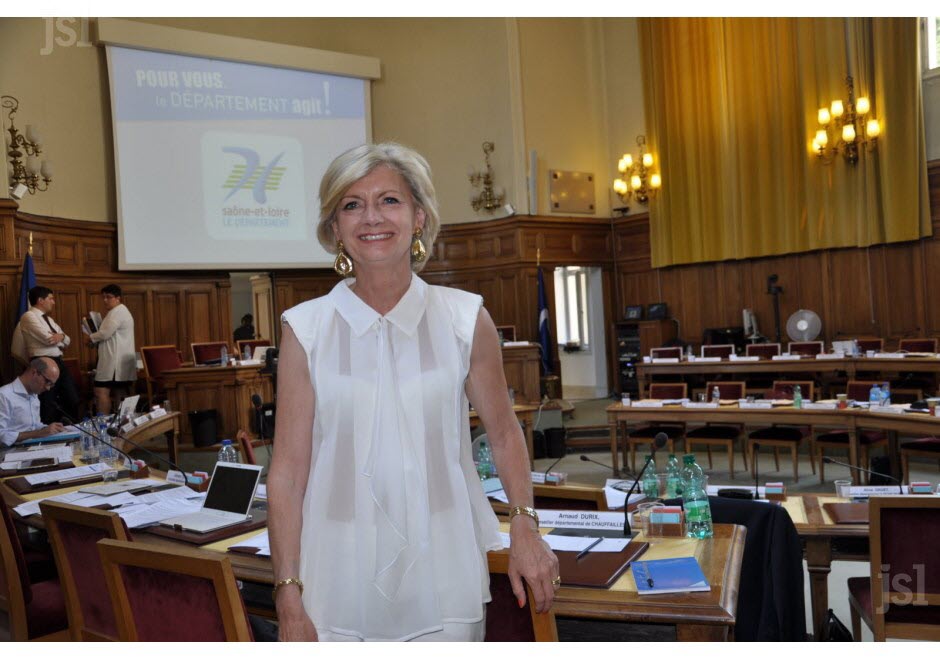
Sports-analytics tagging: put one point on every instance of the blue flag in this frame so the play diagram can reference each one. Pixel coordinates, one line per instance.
(27, 283)
(545, 338)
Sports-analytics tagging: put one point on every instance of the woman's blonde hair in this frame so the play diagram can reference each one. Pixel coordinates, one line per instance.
(358, 162)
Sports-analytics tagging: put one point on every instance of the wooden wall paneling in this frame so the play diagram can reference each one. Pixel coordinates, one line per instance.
(198, 308)
(729, 294)
(8, 251)
(848, 285)
(223, 304)
(761, 302)
(166, 321)
(932, 280)
(899, 301)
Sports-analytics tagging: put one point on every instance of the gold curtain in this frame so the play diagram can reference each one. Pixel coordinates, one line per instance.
(731, 107)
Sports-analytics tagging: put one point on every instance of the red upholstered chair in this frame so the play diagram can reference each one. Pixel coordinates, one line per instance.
(918, 345)
(178, 596)
(763, 351)
(923, 448)
(810, 348)
(877, 345)
(721, 435)
(901, 598)
(244, 444)
(839, 438)
(717, 350)
(35, 610)
(208, 351)
(666, 352)
(778, 436)
(645, 434)
(251, 345)
(158, 359)
(505, 621)
(74, 532)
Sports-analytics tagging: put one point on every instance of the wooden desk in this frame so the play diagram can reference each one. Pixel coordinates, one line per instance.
(521, 366)
(525, 413)
(168, 425)
(226, 389)
(819, 368)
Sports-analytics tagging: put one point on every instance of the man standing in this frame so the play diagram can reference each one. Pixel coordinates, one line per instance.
(117, 362)
(246, 330)
(43, 337)
(19, 403)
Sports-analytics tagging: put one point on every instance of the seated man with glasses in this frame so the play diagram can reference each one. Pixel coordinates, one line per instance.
(19, 403)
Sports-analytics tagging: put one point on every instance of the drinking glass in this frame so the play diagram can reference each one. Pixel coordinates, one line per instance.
(844, 487)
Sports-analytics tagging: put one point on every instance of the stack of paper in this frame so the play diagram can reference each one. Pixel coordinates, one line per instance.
(69, 474)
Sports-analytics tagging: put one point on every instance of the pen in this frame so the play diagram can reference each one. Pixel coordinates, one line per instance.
(649, 581)
(587, 549)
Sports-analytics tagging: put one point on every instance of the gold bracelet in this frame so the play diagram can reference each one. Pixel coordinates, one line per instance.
(284, 583)
(526, 511)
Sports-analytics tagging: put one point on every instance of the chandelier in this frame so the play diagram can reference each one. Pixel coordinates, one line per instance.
(843, 129)
(24, 177)
(643, 184)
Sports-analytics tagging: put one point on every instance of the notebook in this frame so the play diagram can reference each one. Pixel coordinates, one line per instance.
(669, 576)
(228, 501)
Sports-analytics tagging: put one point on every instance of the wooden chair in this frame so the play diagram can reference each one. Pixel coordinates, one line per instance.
(721, 435)
(644, 435)
(923, 345)
(158, 359)
(209, 351)
(810, 348)
(839, 438)
(508, 332)
(666, 352)
(35, 610)
(901, 598)
(922, 448)
(251, 345)
(178, 596)
(505, 621)
(778, 436)
(763, 351)
(74, 532)
(244, 444)
(717, 350)
(877, 345)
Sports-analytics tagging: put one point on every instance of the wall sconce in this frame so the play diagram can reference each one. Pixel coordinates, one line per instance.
(24, 176)
(489, 198)
(843, 128)
(643, 184)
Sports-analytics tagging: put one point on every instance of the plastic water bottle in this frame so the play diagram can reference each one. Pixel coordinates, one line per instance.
(885, 395)
(223, 355)
(484, 460)
(228, 453)
(689, 355)
(89, 444)
(716, 395)
(797, 397)
(625, 399)
(698, 513)
(874, 397)
(673, 481)
(650, 482)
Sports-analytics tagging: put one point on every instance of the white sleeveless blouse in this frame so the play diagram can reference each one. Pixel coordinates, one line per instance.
(395, 522)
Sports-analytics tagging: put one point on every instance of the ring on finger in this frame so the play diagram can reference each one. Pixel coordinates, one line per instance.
(557, 581)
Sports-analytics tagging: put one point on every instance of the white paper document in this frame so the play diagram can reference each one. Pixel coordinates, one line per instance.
(149, 514)
(31, 508)
(570, 543)
(69, 474)
(616, 496)
(63, 453)
(262, 492)
(261, 541)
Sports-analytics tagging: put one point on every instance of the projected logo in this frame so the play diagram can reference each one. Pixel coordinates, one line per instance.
(253, 187)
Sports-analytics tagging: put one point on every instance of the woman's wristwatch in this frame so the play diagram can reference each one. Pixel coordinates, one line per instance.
(525, 511)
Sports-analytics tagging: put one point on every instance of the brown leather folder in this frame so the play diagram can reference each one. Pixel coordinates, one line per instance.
(20, 486)
(855, 513)
(259, 518)
(45, 468)
(597, 569)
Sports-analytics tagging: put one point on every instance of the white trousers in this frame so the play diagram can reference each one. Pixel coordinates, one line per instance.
(452, 632)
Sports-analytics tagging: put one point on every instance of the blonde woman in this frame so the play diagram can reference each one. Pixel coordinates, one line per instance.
(375, 506)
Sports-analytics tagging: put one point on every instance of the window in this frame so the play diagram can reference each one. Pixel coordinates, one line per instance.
(571, 303)
(931, 41)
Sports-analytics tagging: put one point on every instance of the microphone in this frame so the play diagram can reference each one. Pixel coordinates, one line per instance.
(832, 461)
(658, 442)
(591, 460)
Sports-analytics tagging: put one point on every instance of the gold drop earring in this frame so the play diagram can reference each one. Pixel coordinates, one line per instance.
(343, 265)
(418, 252)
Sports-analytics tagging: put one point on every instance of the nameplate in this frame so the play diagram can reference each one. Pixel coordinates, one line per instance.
(819, 405)
(127, 428)
(581, 519)
(785, 357)
(157, 412)
(755, 405)
(830, 356)
(699, 404)
(665, 360)
(887, 410)
(667, 515)
(866, 491)
(708, 359)
(550, 478)
(250, 363)
(176, 477)
(744, 358)
(774, 488)
(889, 356)
(647, 404)
(143, 419)
(921, 488)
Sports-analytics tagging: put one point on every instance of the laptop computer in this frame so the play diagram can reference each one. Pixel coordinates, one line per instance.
(228, 501)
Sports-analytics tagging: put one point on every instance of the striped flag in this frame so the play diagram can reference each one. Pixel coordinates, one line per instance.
(545, 338)
(27, 283)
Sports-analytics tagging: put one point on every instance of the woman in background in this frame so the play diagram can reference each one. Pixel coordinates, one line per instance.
(117, 359)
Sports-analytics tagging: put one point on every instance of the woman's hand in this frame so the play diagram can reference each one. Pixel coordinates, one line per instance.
(531, 558)
(294, 625)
